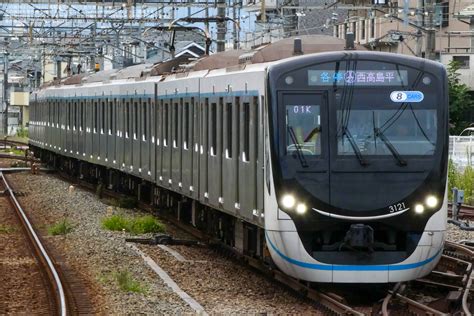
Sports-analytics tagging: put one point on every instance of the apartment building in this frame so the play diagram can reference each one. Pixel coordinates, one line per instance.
(402, 27)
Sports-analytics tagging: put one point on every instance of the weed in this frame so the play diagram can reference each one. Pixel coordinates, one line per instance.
(115, 223)
(135, 225)
(61, 228)
(127, 283)
(4, 229)
(22, 132)
(463, 180)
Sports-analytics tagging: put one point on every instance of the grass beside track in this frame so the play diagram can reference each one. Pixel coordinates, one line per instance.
(135, 225)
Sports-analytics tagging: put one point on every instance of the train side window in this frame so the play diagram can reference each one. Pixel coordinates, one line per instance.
(213, 138)
(246, 134)
(175, 124)
(135, 115)
(96, 116)
(186, 125)
(228, 130)
(145, 118)
(165, 124)
(127, 119)
(220, 110)
(102, 127)
(257, 126)
(111, 115)
(76, 114)
(81, 128)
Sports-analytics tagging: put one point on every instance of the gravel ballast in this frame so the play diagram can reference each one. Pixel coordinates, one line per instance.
(96, 254)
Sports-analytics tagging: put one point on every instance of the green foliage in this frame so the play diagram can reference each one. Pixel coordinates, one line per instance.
(127, 283)
(459, 100)
(127, 202)
(136, 225)
(61, 228)
(4, 229)
(22, 132)
(462, 180)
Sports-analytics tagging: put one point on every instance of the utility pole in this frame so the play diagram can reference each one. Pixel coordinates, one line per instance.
(5, 92)
(234, 30)
(419, 22)
(431, 32)
(221, 27)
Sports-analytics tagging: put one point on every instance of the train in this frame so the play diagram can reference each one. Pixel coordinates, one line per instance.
(324, 160)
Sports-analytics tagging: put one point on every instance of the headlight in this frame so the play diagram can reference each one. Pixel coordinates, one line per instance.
(301, 208)
(431, 201)
(288, 201)
(419, 208)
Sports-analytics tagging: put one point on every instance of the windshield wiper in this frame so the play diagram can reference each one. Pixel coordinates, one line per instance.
(299, 153)
(378, 133)
(354, 146)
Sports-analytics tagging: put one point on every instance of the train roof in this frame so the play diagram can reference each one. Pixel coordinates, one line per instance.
(236, 59)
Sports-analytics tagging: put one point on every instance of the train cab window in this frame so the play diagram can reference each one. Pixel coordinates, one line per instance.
(213, 138)
(246, 134)
(186, 125)
(303, 129)
(228, 130)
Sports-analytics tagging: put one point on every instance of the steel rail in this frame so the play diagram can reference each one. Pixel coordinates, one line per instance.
(35, 239)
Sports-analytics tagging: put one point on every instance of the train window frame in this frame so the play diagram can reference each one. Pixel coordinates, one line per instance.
(96, 116)
(145, 104)
(175, 119)
(135, 117)
(102, 115)
(110, 116)
(228, 108)
(213, 129)
(81, 128)
(165, 117)
(186, 111)
(246, 117)
(127, 118)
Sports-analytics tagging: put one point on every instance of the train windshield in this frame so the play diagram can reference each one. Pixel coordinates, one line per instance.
(380, 129)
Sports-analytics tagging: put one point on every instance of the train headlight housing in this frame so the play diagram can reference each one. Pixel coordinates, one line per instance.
(301, 208)
(288, 201)
(431, 201)
(419, 208)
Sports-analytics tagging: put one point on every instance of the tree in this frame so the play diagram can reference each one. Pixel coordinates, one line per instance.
(460, 100)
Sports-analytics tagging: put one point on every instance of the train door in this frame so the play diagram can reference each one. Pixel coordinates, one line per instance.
(176, 144)
(195, 148)
(230, 130)
(247, 165)
(136, 135)
(187, 145)
(145, 138)
(203, 150)
(215, 151)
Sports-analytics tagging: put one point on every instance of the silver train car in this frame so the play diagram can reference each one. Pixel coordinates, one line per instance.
(330, 164)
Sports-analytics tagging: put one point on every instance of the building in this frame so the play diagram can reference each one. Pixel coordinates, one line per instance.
(404, 27)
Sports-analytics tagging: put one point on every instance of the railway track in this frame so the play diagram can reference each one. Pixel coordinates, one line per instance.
(466, 212)
(66, 293)
(452, 278)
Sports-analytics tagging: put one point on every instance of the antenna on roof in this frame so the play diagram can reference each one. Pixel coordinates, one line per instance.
(297, 47)
(350, 39)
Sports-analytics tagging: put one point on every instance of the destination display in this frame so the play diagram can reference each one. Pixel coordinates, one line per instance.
(358, 78)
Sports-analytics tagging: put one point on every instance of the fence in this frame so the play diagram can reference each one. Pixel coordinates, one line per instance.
(461, 150)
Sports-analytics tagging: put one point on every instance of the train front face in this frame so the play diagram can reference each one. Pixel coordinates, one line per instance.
(357, 166)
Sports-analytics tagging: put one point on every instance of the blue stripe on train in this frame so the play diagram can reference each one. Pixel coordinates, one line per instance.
(326, 267)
